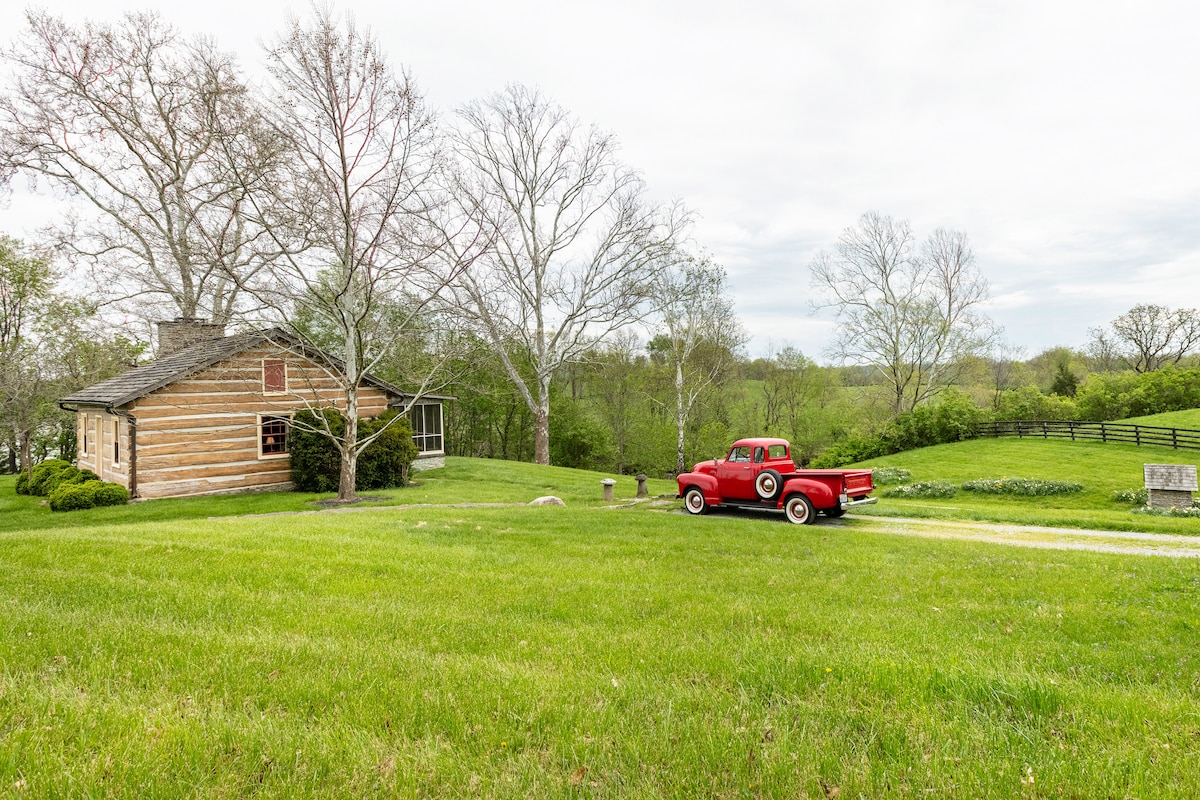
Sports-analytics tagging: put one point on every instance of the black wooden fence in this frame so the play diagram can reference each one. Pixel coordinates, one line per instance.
(1178, 438)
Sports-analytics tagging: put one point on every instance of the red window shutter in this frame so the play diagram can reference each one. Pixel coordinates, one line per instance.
(274, 376)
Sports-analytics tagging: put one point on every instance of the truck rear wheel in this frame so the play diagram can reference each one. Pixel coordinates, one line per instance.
(694, 502)
(799, 510)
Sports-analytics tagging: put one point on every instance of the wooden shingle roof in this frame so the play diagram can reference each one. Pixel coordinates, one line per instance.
(141, 381)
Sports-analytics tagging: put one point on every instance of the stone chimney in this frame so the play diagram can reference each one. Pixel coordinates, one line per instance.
(184, 332)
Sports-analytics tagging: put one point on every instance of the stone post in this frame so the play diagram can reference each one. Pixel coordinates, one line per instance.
(642, 490)
(608, 484)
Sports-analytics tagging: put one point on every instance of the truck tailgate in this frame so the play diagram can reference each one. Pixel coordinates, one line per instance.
(858, 481)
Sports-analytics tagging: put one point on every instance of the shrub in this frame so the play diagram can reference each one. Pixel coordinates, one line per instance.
(49, 474)
(850, 451)
(73, 497)
(1028, 402)
(316, 464)
(1133, 497)
(108, 494)
(882, 476)
(22, 486)
(935, 489)
(1024, 487)
(86, 475)
(386, 462)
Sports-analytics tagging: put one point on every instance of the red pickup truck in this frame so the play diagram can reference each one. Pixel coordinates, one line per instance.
(760, 473)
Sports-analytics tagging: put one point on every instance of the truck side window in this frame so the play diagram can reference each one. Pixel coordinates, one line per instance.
(758, 455)
(777, 451)
(739, 454)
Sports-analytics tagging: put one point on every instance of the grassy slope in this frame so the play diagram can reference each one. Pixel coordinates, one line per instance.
(1172, 419)
(1101, 468)
(518, 652)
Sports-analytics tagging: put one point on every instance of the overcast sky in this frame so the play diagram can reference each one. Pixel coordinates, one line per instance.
(1062, 137)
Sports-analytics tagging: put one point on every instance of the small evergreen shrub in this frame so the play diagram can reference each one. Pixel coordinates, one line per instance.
(88, 494)
(72, 497)
(108, 494)
(1023, 487)
(923, 489)
(1133, 497)
(316, 464)
(884, 476)
(22, 486)
(49, 474)
(86, 475)
(386, 462)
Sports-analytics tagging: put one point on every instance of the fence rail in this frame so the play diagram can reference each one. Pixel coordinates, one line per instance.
(1178, 438)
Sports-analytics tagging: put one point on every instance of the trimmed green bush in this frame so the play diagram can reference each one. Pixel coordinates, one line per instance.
(108, 494)
(883, 476)
(49, 474)
(73, 497)
(926, 489)
(88, 494)
(86, 475)
(22, 486)
(1024, 487)
(316, 465)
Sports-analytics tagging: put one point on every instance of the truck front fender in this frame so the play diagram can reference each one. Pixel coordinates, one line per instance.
(705, 483)
(818, 493)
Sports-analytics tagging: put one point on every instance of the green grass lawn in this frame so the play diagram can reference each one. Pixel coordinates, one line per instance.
(462, 480)
(1189, 419)
(584, 652)
(1101, 468)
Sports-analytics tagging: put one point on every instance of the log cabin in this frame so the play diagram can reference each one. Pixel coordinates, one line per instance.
(210, 414)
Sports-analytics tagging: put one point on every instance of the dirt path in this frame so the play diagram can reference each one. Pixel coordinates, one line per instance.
(1127, 542)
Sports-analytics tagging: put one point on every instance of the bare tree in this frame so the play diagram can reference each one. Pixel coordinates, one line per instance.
(1103, 351)
(913, 316)
(1004, 367)
(578, 246)
(694, 309)
(131, 122)
(354, 210)
(1153, 336)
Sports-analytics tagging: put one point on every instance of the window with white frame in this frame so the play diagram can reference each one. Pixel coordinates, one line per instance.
(83, 435)
(116, 441)
(272, 437)
(426, 420)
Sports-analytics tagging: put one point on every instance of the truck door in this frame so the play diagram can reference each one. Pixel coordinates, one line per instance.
(735, 476)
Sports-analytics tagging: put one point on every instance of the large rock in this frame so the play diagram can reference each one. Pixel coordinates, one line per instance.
(548, 500)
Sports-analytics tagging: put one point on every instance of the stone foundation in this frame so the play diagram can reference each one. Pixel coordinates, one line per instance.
(1169, 498)
(428, 462)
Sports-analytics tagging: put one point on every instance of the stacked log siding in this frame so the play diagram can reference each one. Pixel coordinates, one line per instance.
(201, 435)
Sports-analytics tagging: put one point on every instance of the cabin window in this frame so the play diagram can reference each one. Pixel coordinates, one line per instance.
(274, 376)
(426, 420)
(83, 435)
(272, 438)
(116, 434)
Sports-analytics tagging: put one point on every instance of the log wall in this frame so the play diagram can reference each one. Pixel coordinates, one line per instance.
(201, 435)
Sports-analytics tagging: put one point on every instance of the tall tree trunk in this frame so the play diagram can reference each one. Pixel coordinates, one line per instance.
(27, 451)
(680, 419)
(349, 472)
(541, 422)
(12, 456)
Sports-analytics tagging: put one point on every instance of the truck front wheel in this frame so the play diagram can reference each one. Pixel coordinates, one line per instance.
(694, 502)
(799, 510)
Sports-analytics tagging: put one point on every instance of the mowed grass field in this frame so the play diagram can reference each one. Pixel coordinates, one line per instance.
(1101, 468)
(581, 652)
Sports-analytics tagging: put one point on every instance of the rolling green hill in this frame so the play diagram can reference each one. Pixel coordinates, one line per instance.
(1172, 419)
(1102, 469)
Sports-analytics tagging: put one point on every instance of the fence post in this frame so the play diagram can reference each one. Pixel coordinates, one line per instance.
(1137, 435)
(1174, 438)
(1103, 433)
